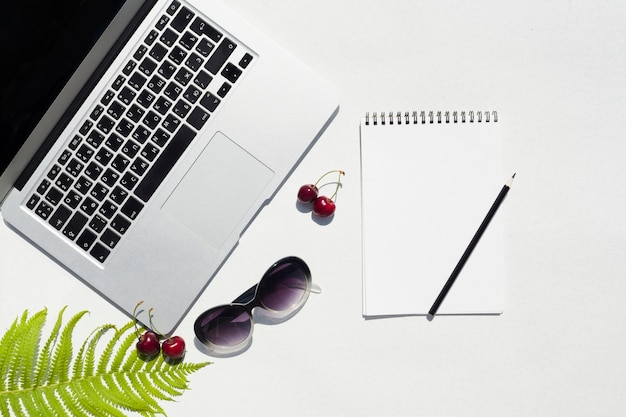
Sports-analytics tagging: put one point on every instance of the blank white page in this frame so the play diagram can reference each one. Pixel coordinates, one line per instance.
(426, 188)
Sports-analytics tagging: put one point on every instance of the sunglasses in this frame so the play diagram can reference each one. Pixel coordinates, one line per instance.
(280, 293)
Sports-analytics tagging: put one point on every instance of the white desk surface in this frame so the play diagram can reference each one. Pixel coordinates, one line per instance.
(556, 73)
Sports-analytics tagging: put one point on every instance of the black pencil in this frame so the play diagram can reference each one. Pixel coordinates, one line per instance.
(470, 247)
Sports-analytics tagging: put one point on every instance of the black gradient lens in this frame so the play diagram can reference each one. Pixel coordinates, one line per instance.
(228, 326)
(284, 286)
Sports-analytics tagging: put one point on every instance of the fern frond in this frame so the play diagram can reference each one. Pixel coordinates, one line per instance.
(50, 380)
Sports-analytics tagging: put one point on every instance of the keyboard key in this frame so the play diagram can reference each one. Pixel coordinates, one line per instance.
(156, 84)
(97, 224)
(129, 181)
(44, 210)
(86, 239)
(32, 201)
(64, 182)
(54, 171)
(192, 94)
(84, 153)
(162, 22)
(89, 206)
(110, 238)
(205, 47)
(108, 209)
(171, 9)
(219, 57)
(147, 66)
(120, 163)
(125, 127)
(54, 196)
(135, 113)
(210, 102)
(245, 61)
(74, 167)
(182, 108)
(188, 40)
(106, 124)
(120, 224)
(75, 225)
(224, 89)
(65, 156)
(99, 252)
(139, 166)
(183, 76)
(171, 123)
(162, 105)
(194, 62)
(75, 142)
(72, 199)
(86, 127)
(109, 177)
(201, 27)
(167, 69)
(114, 142)
(163, 165)
(93, 170)
(126, 95)
(95, 139)
(203, 79)
(152, 36)
(82, 185)
(158, 51)
(130, 148)
(104, 156)
(99, 191)
(231, 73)
(198, 118)
(60, 217)
(128, 69)
(43, 187)
(150, 152)
(118, 195)
(141, 134)
(137, 81)
(132, 207)
(182, 19)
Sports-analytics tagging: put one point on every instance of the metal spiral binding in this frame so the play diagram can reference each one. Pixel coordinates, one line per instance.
(430, 117)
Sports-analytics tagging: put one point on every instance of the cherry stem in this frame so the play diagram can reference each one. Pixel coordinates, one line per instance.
(338, 181)
(135, 318)
(152, 326)
(330, 172)
(338, 185)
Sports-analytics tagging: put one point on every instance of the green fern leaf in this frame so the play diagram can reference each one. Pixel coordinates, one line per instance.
(113, 381)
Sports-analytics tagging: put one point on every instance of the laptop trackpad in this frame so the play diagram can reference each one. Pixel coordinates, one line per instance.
(218, 190)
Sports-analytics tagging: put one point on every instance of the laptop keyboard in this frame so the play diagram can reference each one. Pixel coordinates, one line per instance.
(168, 89)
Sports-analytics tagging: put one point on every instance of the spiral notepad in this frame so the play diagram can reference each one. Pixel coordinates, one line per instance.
(428, 178)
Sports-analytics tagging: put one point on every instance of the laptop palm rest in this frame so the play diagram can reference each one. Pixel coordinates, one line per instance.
(218, 190)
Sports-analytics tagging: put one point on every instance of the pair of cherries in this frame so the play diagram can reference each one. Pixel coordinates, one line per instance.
(149, 344)
(322, 206)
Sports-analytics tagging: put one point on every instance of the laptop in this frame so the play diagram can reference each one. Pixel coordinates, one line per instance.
(141, 137)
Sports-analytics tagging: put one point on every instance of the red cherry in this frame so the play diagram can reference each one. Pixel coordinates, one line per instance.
(148, 344)
(323, 207)
(174, 348)
(307, 193)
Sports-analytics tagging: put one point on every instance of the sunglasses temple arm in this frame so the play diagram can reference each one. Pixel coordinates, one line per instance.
(246, 296)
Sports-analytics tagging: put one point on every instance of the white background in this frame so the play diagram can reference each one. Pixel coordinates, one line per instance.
(556, 73)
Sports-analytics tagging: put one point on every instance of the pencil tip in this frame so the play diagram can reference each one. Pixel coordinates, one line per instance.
(514, 175)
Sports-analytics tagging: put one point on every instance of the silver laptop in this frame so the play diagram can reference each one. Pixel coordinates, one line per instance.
(146, 159)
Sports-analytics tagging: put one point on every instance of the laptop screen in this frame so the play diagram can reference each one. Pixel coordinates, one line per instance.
(42, 42)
